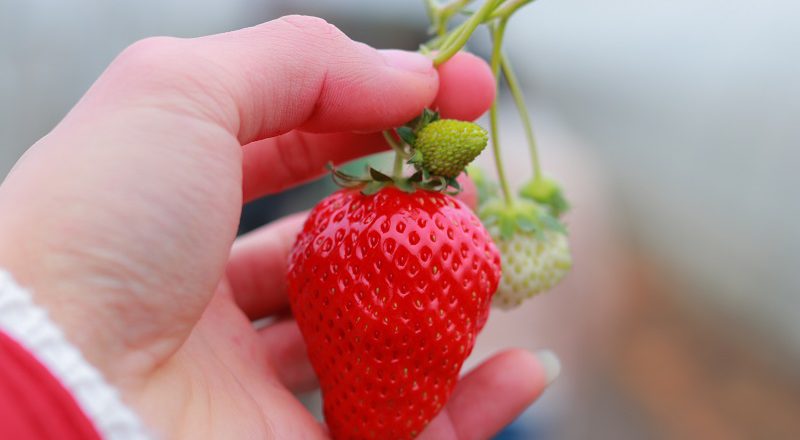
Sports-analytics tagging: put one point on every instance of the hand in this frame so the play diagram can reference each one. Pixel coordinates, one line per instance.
(122, 220)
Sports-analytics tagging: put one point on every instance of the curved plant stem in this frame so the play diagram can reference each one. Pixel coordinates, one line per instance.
(443, 14)
(507, 9)
(432, 8)
(498, 161)
(441, 27)
(437, 16)
(397, 171)
(448, 11)
(519, 101)
(462, 33)
(448, 40)
(399, 155)
(497, 42)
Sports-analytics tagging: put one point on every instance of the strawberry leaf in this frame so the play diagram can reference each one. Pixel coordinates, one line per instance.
(345, 180)
(407, 135)
(428, 116)
(527, 225)
(553, 223)
(454, 183)
(405, 185)
(416, 159)
(507, 227)
(379, 176)
(558, 204)
(373, 188)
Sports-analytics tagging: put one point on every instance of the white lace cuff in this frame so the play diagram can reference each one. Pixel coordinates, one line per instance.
(30, 326)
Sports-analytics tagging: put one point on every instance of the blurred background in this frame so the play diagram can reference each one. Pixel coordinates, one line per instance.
(673, 126)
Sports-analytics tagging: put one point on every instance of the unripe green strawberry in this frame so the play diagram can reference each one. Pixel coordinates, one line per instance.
(532, 263)
(448, 145)
(533, 248)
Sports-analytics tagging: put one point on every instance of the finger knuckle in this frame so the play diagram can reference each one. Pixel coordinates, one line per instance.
(150, 53)
(312, 27)
(175, 71)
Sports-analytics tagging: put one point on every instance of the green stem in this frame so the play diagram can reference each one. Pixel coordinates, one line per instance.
(443, 15)
(519, 101)
(397, 171)
(453, 8)
(441, 28)
(462, 33)
(507, 9)
(396, 146)
(497, 39)
(440, 18)
(444, 39)
(437, 16)
(432, 8)
(449, 38)
(399, 154)
(498, 161)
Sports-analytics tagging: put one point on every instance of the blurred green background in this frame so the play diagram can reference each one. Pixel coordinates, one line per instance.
(673, 126)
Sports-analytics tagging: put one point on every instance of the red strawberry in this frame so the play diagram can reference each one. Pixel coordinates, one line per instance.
(390, 291)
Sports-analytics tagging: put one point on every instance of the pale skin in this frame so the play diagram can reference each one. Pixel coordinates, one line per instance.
(122, 221)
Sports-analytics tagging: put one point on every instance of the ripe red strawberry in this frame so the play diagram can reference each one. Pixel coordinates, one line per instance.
(390, 291)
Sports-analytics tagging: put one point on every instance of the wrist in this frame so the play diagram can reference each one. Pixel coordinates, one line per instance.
(61, 289)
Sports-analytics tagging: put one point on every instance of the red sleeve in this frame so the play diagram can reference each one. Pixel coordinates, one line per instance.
(33, 403)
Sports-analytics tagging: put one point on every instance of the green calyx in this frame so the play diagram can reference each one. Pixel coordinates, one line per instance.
(521, 216)
(446, 146)
(547, 192)
(374, 180)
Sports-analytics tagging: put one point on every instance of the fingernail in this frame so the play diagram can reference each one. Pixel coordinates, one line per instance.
(550, 364)
(409, 61)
